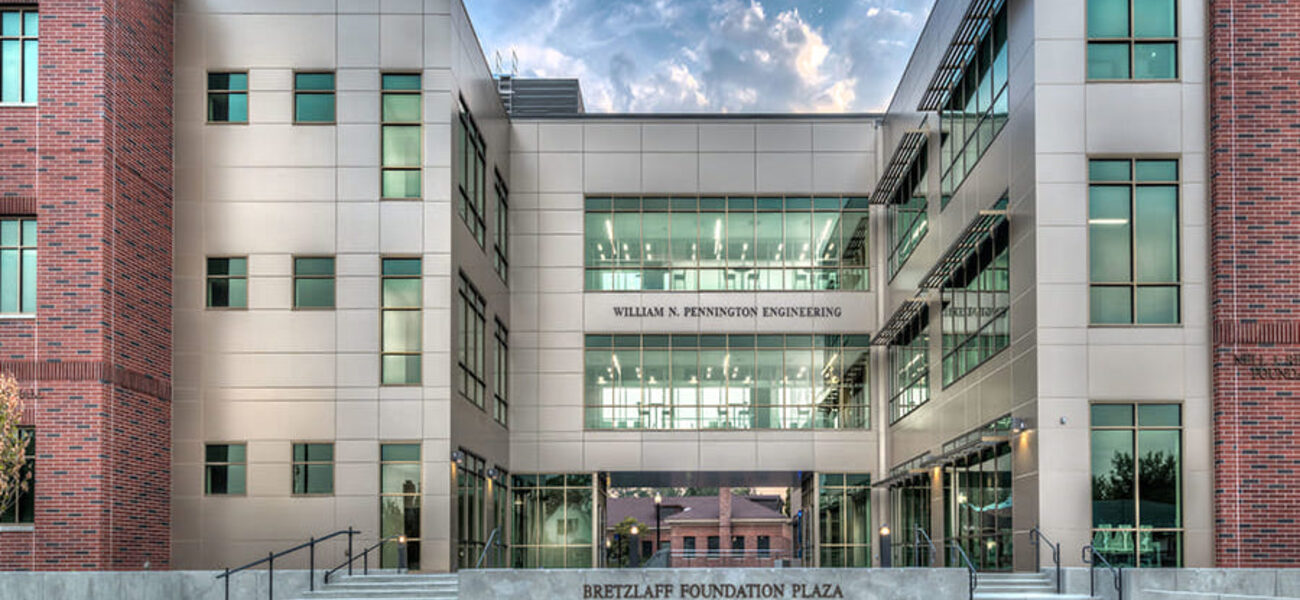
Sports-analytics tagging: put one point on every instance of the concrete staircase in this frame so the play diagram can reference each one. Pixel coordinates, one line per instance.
(1019, 586)
(410, 586)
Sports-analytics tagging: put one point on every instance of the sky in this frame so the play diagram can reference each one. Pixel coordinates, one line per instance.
(746, 56)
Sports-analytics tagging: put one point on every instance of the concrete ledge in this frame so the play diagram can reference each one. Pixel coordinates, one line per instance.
(1190, 584)
(147, 585)
(677, 584)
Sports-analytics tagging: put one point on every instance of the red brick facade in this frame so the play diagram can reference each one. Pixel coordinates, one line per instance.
(1255, 189)
(93, 162)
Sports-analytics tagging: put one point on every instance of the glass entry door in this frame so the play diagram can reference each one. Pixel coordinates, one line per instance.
(399, 502)
(977, 507)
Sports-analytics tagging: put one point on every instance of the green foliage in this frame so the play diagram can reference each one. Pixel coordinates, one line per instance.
(620, 547)
(13, 445)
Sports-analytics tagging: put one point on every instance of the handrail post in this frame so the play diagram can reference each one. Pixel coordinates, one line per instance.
(349, 550)
(270, 575)
(1056, 557)
(365, 563)
(227, 583)
(311, 565)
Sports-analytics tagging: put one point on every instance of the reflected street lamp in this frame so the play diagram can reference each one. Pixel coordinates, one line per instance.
(659, 499)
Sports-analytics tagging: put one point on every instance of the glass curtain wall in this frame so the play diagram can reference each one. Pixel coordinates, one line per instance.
(908, 213)
(909, 368)
(977, 107)
(471, 514)
(909, 503)
(1137, 473)
(977, 502)
(844, 519)
(727, 381)
(976, 307)
(732, 243)
(554, 514)
(400, 485)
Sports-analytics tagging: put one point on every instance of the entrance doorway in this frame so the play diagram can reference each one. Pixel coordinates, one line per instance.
(977, 506)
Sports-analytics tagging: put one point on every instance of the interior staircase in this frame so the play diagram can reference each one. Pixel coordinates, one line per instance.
(389, 586)
(1020, 586)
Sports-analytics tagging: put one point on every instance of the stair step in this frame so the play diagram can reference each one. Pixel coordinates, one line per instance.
(1028, 596)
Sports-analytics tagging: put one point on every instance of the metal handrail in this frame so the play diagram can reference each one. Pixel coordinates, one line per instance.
(970, 567)
(365, 557)
(1090, 553)
(921, 534)
(271, 556)
(1035, 537)
(492, 538)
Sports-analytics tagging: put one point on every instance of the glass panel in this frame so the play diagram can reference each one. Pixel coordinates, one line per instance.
(29, 232)
(1159, 478)
(9, 281)
(1108, 60)
(31, 26)
(1108, 18)
(1112, 415)
(399, 478)
(1112, 479)
(314, 266)
(1111, 304)
(31, 69)
(314, 107)
(28, 284)
(401, 107)
(401, 82)
(314, 293)
(13, 23)
(400, 369)
(1156, 223)
(401, 146)
(1155, 61)
(314, 81)
(392, 452)
(1110, 170)
(654, 238)
(401, 266)
(1109, 240)
(1157, 304)
(1159, 415)
(403, 292)
(1153, 18)
(798, 239)
(320, 479)
(401, 184)
(11, 68)
(1157, 170)
(1161, 548)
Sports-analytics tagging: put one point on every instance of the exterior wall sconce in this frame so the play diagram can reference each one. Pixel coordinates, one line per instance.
(458, 457)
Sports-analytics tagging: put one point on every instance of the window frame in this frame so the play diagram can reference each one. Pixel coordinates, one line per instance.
(416, 309)
(294, 463)
(22, 38)
(1133, 185)
(999, 317)
(472, 203)
(501, 241)
(418, 495)
(208, 277)
(898, 388)
(207, 492)
(22, 248)
(1131, 41)
(207, 98)
(29, 467)
(471, 300)
(417, 124)
(501, 375)
(332, 92)
(333, 277)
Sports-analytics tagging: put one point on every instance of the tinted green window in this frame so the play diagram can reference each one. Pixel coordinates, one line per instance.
(1133, 241)
(313, 468)
(976, 306)
(1108, 61)
(18, 265)
(228, 97)
(401, 337)
(471, 351)
(19, 55)
(313, 282)
(1137, 483)
(844, 522)
(976, 109)
(313, 97)
(225, 469)
(909, 368)
(471, 174)
(1134, 39)
(227, 283)
(401, 153)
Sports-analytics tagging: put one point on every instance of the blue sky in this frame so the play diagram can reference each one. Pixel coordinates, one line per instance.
(710, 55)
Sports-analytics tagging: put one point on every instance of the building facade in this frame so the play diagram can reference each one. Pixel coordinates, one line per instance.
(391, 305)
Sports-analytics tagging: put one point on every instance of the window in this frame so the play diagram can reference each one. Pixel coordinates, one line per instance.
(473, 156)
(715, 543)
(401, 135)
(225, 468)
(909, 368)
(738, 544)
(23, 510)
(908, 213)
(978, 502)
(19, 55)
(1133, 242)
(401, 329)
(733, 243)
(400, 485)
(313, 282)
(313, 468)
(470, 355)
(647, 549)
(1132, 39)
(471, 503)
(313, 97)
(1137, 481)
(228, 282)
(976, 110)
(501, 244)
(976, 306)
(844, 519)
(688, 546)
(764, 546)
(18, 265)
(726, 381)
(227, 97)
(909, 501)
(554, 514)
(501, 381)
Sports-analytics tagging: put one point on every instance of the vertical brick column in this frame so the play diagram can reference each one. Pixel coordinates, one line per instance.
(1254, 68)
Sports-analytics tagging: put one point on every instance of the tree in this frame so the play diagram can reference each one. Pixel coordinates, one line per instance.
(13, 445)
(620, 547)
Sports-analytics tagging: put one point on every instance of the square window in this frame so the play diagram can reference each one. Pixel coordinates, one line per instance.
(313, 468)
(313, 97)
(227, 282)
(313, 282)
(225, 469)
(227, 97)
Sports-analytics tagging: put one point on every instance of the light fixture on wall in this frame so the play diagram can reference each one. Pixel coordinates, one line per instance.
(1017, 425)
(493, 473)
(458, 457)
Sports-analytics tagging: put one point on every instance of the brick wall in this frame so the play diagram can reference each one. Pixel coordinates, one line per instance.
(98, 352)
(1254, 66)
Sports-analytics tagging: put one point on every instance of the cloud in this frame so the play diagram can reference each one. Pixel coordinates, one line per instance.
(711, 55)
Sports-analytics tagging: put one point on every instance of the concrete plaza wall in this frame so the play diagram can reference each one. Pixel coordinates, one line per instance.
(1189, 584)
(674, 584)
(148, 585)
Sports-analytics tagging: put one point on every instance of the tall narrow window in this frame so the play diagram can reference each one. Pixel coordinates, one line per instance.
(1137, 482)
(471, 508)
(313, 282)
(313, 469)
(471, 179)
(470, 335)
(844, 519)
(228, 282)
(501, 242)
(688, 546)
(401, 137)
(400, 486)
(227, 97)
(225, 469)
(977, 108)
(1132, 39)
(23, 510)
(17, 265)
(19, 58)
(501, 380)
(1133, 244)
(909, 368)
(402, 298)
(313, 97)
(908, 214)
(976, 306)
